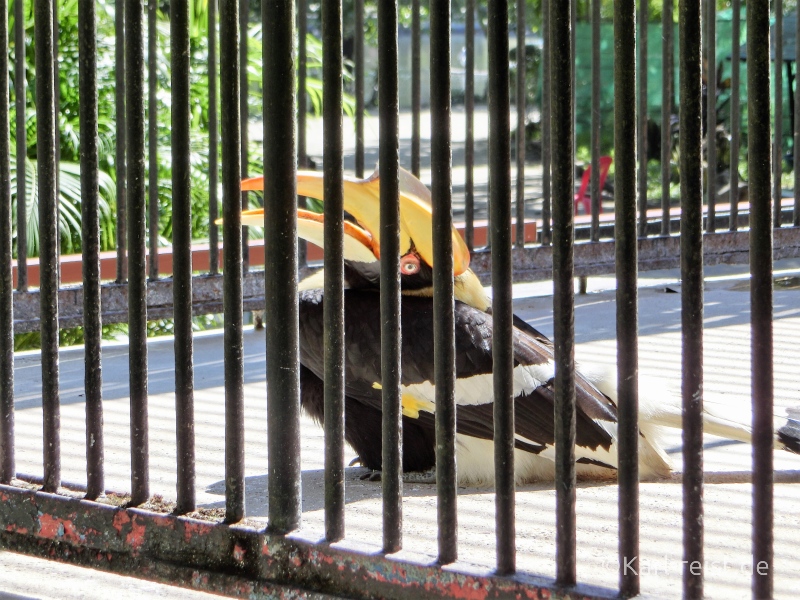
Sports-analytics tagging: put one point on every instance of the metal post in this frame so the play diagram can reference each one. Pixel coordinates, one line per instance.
(152, 131)
(667, 96)
(520, 81)
(6, 286)
(302, 110)
(710, 40)
(758, 110)
(137, 284)
(692, 296)
(596, 192)
(280, 244)
(244, 111)
(388, 105)
(359, 83)
(444, 354)
(333, 308)
(546, 123)
(120, 161)
(733, 194)
(416, 87)
(502, 342)
(20, 102)
(213, 141)
(777, 158)
(469, 142)
(641, 113)
(796, 150)
(90, 242)
(48, 240)
(626, 250)
(230, 124)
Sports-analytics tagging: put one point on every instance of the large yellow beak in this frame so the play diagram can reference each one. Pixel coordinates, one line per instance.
(362, 200)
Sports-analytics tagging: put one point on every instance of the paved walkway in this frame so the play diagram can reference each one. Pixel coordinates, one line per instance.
(727, 493)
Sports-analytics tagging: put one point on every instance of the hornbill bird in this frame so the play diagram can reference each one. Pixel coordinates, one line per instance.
(534, 367)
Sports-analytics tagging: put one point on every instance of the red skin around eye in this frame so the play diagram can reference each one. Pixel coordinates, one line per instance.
(409, 264)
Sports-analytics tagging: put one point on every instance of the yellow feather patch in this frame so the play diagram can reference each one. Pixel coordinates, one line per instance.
(411, 405)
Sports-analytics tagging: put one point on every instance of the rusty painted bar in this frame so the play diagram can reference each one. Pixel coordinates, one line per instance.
(546, 123)
(137, 284)
(761, 295)
(182, 254)
(230, 124)
(641, 114)
(48, 252)
(692, 293)
(213, 141)
(469, 112)
(244, 111)
(333, 308)
(416, 85)
(90, 243)
(20, 103)
(625, 234)
(667, 100)
(152, 137)
(709, 39)
(500, 230)
(6, 285)
(563, 298)
(594, 184)
(280, 273)
(444, 353)
(388, 107)
(520, 149)
(359, 85)
(736, 119)
(777, 135)
(120, 160)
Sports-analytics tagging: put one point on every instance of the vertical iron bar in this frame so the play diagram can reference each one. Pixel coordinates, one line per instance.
(182, 254)
(213, 142)
(302, 109)
(641, 131)
(777, 159)
(736, 120)
(333, 307)
(48, 253)
(230, 124)
(469, 142)
(6, 285)
(244, 111)
(359, 55)
(20, 64)
(90, 242)
(57, 134)
(547, 151)
(444, 355)
(691, 73)
(626, 250)
(521, 67)
(710, 39)
(563, 297)
(758, 55)
(137, 284)
(120, 160)
(280, 272)
(416, 87)
(500, 229)
(596, 192)
(152, 142)
(796, 149)
(388, 105)
(667, 94)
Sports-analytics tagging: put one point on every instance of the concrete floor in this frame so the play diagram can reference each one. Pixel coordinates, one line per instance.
(727, 493)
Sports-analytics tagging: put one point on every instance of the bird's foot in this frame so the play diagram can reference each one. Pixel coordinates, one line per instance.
(420, 476)
(371, 476)
(355, 461)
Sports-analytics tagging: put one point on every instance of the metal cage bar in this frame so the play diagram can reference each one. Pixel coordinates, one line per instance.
(230, 124)
(596, 192)
(546, 123)
(521, 134)
(641, 113)
(333, 308)
(692, 294)
(626, 249)
(213, 141)
(90, 242)
(777, 131)
(7, 462)
(20, 103)
(280, 272)
(359, 84)
(120, 158)
(416, 84)
(710, 57)
(302, 111)
(182, 254)
(152, 137)
(443, 305)
(667, 100)
(563, 297)
(137, 284)
(761, 232)
(48, 252)
(796, 132)
(736, 119)
(244, 111)
(469, 115)
(388, 105)
(502, 342)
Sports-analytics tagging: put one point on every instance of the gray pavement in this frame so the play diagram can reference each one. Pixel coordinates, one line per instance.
(727, 493)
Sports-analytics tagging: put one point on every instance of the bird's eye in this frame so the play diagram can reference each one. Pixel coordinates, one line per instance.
(409, 265)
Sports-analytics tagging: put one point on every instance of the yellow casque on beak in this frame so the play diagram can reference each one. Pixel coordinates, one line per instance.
(362, 200)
